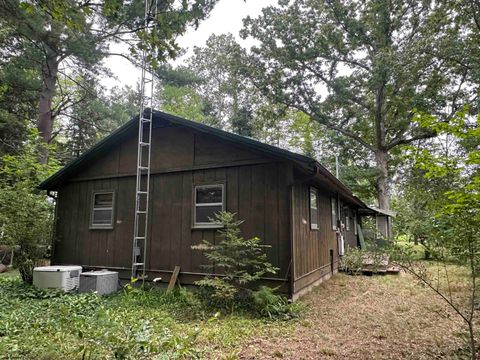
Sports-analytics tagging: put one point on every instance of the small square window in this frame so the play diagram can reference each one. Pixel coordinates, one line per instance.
(209, 200)
(102, 210)
(313, 209)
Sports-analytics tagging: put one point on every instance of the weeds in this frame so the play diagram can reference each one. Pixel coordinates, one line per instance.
(133, 324)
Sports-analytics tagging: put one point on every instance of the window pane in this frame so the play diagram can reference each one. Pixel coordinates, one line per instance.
(102, 217)
(313, 198)
(334, 213)
(103, 200)
(313, 218)
(204, 213)
(206, 195)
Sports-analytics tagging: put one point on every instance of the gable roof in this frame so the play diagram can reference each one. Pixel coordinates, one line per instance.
(306, 163)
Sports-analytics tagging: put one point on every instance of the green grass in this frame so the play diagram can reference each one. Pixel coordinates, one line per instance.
(10, 273)
(129, 325)
(416, 252)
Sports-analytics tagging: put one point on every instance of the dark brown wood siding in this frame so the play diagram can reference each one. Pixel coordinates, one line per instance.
(257, 189)
(350, 237)
(312, 248)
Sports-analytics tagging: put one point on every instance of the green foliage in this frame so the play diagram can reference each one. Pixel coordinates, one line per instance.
(270, 305)
(454, 229)
(19, 84)
(348, 65)
(140, 324)
(95, 113)
(26, 215)
(352, 260)
(240, 261)
(412, 251)
(356, 260)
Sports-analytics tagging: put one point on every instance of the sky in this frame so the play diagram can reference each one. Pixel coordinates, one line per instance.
(226, 17)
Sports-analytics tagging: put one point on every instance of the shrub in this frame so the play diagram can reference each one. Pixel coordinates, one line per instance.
(241, 261)
(26, 215)
(268, 304)
(352, 260)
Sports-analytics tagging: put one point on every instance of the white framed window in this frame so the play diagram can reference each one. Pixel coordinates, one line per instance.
(208, 201)
(102, 210)
(333, 203)
(313, 208)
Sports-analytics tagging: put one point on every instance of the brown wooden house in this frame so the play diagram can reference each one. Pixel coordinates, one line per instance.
(288, 200)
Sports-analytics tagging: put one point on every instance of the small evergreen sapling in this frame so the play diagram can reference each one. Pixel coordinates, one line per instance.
(240, 261)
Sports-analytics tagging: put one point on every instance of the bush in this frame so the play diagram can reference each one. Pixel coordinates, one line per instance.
(241, 261)
(26, 214)
(352, 260)
(268, 304)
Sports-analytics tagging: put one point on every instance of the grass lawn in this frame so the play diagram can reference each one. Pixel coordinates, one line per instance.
(347, 317)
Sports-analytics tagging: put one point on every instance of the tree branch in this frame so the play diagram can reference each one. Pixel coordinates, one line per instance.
(404, 141)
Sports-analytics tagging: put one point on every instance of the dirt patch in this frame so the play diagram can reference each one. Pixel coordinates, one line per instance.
(358, 317)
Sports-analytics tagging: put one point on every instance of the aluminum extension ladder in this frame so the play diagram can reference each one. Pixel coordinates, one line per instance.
(142, 187)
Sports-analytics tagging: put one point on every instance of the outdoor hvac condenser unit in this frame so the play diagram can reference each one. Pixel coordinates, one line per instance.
(102, 282)
(66, 278)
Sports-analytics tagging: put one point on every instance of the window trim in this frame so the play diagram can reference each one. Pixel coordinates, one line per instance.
(92, 211)
(333, 212)
(205, 225)
(317, 225)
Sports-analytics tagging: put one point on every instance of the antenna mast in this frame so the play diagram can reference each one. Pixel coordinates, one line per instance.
(145, 125)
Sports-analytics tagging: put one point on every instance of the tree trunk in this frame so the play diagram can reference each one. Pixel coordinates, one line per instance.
(383, 191)
(46, 116)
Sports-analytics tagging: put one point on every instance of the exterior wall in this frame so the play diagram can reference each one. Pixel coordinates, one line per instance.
(256, 188)
(313, 250)
(350, 237)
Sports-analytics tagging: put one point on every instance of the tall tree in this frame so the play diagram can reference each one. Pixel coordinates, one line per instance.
(77, 33)
(362, 68)
(93, 114)
(19, 84)
(179, 94)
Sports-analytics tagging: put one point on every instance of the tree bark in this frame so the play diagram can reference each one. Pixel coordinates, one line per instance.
(383, 191)
(46, 116)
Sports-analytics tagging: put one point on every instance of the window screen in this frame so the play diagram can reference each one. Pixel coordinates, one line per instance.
(313, 209)
(209, 200)
(102, 210)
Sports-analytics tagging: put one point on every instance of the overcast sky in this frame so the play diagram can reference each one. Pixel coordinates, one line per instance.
(226, 17)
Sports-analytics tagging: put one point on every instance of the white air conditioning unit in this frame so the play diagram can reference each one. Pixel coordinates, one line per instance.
(102, 282)
(66, 278)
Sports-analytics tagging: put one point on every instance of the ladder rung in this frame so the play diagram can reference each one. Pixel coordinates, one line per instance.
(145, 120)
(141, 212)
(143, 167)
(144, 143)
(138, 264)
(142, 192)
(140, 237)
